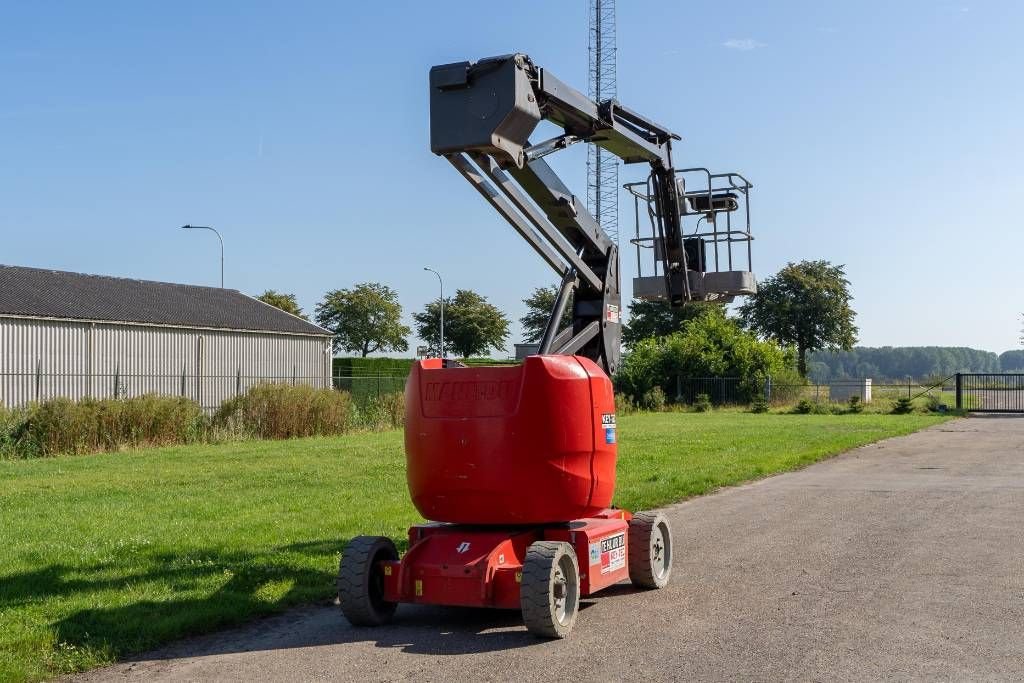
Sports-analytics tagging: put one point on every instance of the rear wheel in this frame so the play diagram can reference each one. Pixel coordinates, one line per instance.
(650, 550)
(361, 581)
(550, 589)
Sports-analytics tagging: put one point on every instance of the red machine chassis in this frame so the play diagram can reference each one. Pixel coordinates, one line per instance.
(481, 566)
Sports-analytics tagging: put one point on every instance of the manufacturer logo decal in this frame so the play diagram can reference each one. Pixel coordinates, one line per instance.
(463, 547)
(608, 423)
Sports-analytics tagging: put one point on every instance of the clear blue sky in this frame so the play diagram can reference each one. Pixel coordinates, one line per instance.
(887, 136)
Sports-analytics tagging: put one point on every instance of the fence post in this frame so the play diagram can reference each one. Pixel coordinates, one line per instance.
(184, 380)
(768, 389)
(679, 388)
(959, 391)
(238, 382)
(39, 378)
(378, 382)
(117, 381)
(294, 374)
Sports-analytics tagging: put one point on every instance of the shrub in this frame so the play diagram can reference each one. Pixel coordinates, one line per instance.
(702, 404)
(935, 404)
(808, 407)
(759, 405)
(624, 405)
(710, 346)
(282, 411)
(855, 404)
(653, 399)
(88, 426)
(903, 406)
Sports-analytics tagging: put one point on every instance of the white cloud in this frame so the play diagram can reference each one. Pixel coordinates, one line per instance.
(743, 44)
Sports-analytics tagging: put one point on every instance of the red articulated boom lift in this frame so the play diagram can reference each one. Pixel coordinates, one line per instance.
(515, 465)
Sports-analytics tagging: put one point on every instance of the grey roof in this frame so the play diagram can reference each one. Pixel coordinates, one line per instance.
(58, 294)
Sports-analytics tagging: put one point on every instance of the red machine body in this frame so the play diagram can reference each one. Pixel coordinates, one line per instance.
(449, 564)
(533, 443)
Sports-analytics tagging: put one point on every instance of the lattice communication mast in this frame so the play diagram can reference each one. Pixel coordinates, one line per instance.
(602, 165)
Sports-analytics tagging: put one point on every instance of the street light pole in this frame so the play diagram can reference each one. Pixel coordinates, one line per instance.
(204, 227)
(442, 307)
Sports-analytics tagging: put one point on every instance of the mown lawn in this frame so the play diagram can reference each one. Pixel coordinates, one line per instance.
(105, 555)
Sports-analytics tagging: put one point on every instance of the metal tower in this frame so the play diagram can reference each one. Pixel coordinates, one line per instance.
(602, 166)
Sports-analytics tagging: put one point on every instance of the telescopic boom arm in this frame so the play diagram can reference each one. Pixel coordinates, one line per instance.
(481, 117)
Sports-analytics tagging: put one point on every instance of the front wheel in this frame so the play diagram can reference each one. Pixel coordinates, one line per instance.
(361, 581)
(650, 550)
(550, 589)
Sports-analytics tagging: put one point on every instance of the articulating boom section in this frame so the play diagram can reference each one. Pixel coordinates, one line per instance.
(481, 117)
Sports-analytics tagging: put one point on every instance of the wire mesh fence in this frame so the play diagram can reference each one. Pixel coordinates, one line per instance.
(726, 391)
(1002, 392)
(18, 389)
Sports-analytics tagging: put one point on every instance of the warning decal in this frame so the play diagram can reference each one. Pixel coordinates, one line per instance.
(613, 553)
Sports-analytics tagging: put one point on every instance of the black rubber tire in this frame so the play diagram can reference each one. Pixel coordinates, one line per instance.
(361, 582)
(547, 564)
(650, 550)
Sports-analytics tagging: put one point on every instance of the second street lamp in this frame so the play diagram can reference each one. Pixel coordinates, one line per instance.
(204, 227)
(441, 347)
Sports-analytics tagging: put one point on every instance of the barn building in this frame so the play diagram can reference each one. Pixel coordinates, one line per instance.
(75, 335)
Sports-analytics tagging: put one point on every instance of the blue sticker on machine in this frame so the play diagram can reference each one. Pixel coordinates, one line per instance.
(609, 435)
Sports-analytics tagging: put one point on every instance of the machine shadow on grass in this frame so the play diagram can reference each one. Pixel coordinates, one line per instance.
(127, 632)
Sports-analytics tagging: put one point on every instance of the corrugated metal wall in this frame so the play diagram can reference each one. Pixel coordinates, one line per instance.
(41, 359)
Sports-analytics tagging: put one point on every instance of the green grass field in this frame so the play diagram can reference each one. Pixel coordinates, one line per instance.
(111, 554)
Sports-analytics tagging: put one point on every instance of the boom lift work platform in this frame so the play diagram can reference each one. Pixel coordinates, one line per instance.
(516, 465)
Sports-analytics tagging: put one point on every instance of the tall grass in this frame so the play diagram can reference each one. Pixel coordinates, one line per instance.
(62, 426)
(267, 411)
(281, 411)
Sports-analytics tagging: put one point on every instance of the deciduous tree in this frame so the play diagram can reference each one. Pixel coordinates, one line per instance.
(538, 310)
(286, 302)
(472, 326)
(806, 305)
(365, 319)
(649, 319)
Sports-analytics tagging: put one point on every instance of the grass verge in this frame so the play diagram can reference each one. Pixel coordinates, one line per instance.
(117, 553)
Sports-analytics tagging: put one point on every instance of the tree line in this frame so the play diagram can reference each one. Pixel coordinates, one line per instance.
(367, 318)
(805, 306)
(801, 321)
(919, 362)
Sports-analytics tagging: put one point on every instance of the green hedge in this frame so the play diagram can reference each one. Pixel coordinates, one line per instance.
(366, 367)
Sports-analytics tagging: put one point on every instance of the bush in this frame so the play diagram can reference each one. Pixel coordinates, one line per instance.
(807, 407)
(710, 346)
(702, 404)
(856, 405)
(903, 406)
(282, 411)
(935, 404)
(624, 405)
(654, 399)
(759, 405)
(88, 426)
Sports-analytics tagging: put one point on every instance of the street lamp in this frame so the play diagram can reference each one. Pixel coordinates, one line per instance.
(203, 227)
(442, 307)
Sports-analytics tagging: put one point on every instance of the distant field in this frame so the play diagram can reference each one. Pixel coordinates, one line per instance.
(111, 554)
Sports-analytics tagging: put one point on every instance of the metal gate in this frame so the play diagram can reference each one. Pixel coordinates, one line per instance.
(990, 392)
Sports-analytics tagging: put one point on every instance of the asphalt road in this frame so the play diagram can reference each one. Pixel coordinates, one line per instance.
(903, 560)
